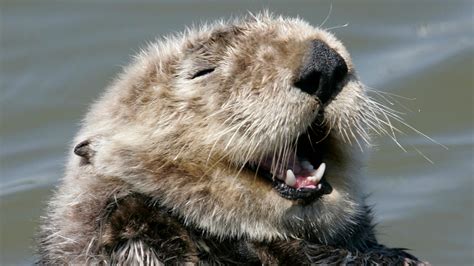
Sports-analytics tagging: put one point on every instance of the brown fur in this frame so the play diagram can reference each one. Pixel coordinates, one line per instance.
(163, 180)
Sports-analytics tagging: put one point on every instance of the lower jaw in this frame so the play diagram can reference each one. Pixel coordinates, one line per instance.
(304, 195)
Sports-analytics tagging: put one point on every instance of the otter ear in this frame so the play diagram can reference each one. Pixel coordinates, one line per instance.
(84, 150)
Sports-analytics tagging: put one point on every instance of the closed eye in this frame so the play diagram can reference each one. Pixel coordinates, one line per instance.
(202, 72)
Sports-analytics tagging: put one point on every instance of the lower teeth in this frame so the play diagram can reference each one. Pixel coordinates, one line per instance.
(290, 179)
(312, 180)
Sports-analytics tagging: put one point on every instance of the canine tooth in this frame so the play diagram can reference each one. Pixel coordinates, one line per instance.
(307, 165)
(319, 186)
(290, 178)
(314, 177)
(320, 171)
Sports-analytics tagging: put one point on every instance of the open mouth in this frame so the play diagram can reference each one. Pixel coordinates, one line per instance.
(301, 174)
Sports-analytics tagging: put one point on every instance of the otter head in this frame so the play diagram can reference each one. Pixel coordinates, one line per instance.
(242, 129)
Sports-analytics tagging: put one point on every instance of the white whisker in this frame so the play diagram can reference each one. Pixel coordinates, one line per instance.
(422, 154)
(327, 16)
(338, 27)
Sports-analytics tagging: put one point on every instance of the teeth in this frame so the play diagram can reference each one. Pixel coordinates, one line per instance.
(314, 178)
(318, 174)
(319, 186)
(307, 165)
(290, 178)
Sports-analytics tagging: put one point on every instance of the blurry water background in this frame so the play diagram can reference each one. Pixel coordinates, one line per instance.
(57, 56)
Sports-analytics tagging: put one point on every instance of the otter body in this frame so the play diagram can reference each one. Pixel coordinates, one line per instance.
(237, 143)
(136, 230)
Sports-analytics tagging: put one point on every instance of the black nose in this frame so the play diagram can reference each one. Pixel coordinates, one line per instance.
(323, 72)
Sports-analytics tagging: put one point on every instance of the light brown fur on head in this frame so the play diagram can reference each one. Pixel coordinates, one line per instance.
(184, 141)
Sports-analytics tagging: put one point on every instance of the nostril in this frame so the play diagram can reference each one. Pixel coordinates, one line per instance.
(340, 70)
(309, 82)
(322, 72)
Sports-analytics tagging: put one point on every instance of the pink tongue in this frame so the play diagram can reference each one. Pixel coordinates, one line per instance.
(304, 182)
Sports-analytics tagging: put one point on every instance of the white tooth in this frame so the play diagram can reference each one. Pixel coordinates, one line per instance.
(290, 178)
(314, 178)
(320, 172)
(307, 165)
(319, 186)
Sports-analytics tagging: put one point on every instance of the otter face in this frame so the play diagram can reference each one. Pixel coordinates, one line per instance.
(244, 129)
(279, 113)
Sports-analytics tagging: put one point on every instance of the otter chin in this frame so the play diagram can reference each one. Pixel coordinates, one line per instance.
(239, 142)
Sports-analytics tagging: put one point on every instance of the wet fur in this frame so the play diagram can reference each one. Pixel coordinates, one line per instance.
(136, 229)
(159, 176)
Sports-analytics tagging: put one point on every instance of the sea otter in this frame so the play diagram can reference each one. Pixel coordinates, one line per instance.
(235, 143)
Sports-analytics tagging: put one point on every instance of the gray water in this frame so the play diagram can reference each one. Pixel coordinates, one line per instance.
(57, 56)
